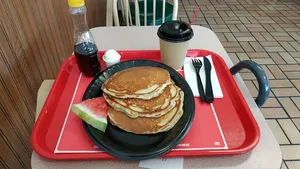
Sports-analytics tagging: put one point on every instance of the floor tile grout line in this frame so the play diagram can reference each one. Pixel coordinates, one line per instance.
(295, 124)
(283, 132)
(293, 64)
(298, 107)
(284, 108)
(285, 164)
(185, 10)
(295, 86)
(292, 160)
(277, 118)
(283, 87)
(289, 144)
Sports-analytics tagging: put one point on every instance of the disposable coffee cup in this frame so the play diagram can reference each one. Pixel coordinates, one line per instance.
(174, 39)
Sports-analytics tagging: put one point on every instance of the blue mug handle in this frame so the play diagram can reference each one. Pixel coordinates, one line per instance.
(262, 79)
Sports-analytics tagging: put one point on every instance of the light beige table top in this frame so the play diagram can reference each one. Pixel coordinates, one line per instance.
(265, 155)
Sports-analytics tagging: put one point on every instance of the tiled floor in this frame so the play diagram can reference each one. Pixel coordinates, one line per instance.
(267, 32)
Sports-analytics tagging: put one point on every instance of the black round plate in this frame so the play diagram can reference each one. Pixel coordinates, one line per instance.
(125, 145)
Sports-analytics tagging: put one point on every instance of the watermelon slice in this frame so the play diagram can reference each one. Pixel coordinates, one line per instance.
(92, 111)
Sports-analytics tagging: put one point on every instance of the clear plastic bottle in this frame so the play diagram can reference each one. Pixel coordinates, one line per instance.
(85, 49)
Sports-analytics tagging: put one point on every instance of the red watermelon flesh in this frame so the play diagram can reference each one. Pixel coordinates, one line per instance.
(92, 111)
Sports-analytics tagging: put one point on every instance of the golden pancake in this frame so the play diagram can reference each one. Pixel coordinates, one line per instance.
(144, 82)
(154, 107)
(147, 125)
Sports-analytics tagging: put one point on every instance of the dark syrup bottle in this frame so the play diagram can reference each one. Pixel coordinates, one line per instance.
(85, 49)
(86, 54)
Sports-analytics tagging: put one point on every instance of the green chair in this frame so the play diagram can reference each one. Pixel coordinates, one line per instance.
(158, 16)
(134, 12)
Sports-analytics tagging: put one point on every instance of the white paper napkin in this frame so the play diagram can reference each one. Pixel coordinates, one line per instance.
(190, 77)
(162, 163)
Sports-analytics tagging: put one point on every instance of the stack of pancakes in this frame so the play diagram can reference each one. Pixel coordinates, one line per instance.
(143, 100)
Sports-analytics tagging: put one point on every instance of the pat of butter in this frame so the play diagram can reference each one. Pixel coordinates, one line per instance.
(111, 56)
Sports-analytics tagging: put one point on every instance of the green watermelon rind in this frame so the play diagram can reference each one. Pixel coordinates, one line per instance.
(96, 122)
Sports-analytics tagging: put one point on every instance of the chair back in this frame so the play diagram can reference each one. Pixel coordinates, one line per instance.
(134, 7)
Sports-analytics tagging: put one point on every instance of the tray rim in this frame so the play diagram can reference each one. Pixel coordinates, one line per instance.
(91, 156)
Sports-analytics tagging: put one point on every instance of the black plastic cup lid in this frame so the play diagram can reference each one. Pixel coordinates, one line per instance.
(175, 31)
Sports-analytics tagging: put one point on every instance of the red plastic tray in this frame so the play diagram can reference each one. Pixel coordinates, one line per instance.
(239, 127)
